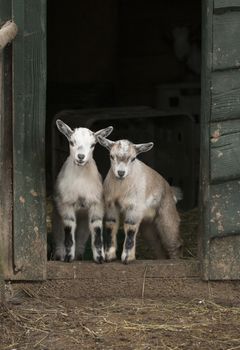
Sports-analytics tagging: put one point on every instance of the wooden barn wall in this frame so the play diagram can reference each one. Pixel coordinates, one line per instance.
(29, 84)
(5, 149)
(221, 142)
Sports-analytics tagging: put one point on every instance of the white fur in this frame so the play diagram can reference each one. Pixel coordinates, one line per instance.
(79, 197)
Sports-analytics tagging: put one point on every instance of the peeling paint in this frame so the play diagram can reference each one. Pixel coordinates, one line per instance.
(22, 199)
(215, 136)
(34, 193)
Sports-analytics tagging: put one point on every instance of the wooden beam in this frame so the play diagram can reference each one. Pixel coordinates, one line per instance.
(29, 83)
(116, 270)
(6, 197)
(206, 98)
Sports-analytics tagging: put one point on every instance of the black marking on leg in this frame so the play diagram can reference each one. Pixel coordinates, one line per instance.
(100, 259)
(98, 244)
(108, 238)
(68, 243)
(98, 238)
(67, 258)
(130, 240)
(68, 237)
(95, 218)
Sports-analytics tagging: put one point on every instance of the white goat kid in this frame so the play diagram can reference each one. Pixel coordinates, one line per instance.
(138, 193)
(79, 196)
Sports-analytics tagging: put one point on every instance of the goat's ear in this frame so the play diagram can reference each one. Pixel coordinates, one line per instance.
(104, 132)
(64, 129)
(105, 142)
(143, 147)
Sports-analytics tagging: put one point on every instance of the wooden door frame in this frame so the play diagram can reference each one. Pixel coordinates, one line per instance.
(6, 148)
(22, 174)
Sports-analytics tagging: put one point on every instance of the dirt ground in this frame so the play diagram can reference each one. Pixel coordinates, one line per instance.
(176, 313)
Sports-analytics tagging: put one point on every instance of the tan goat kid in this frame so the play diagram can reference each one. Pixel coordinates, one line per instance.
(138, 193)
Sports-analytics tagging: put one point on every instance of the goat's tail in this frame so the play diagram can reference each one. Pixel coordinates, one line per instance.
(177, 193)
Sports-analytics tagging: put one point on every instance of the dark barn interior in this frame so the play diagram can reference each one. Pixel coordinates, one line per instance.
(134, 65)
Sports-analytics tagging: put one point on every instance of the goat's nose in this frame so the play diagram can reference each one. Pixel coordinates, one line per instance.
(121, 173)
(81, 156)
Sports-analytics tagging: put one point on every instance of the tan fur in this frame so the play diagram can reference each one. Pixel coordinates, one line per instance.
(142, 196)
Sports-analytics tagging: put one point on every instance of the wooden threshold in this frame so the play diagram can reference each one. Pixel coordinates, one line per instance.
(188, 268)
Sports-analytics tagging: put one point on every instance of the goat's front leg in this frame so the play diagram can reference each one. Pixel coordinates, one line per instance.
(69, 222)
(131, 225)
(112, 224)
(96, 228)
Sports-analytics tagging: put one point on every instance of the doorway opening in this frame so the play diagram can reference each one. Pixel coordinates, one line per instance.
(134, 65)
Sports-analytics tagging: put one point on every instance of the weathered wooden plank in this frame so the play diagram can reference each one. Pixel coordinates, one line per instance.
(224, 262)
(204, 210)
(116, 271)
(29, 143)
(221, 4)
(225, 150)
(225, 95)
(6, 148)
(226, 43)
(225, 209)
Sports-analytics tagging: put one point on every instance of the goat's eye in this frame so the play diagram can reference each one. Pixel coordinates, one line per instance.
(92, 145)
(111, 157)
(132, 160)
(71, 143)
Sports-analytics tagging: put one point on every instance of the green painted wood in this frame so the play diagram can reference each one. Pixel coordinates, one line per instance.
(6, 149)
(29, 142)
(220, 144)
(204, 210)
(225, 209)
(225, 150)
(226, 43)
(222, 4)
(225, 95)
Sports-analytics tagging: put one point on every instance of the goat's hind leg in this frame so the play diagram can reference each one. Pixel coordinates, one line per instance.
(111, 224)
(96, 230)
(167, 223)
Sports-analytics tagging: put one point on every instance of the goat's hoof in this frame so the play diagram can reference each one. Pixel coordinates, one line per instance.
(58, 257)
(127, 258)
(99, 259)
(110, 257)
(79, 257)
(68, 258)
